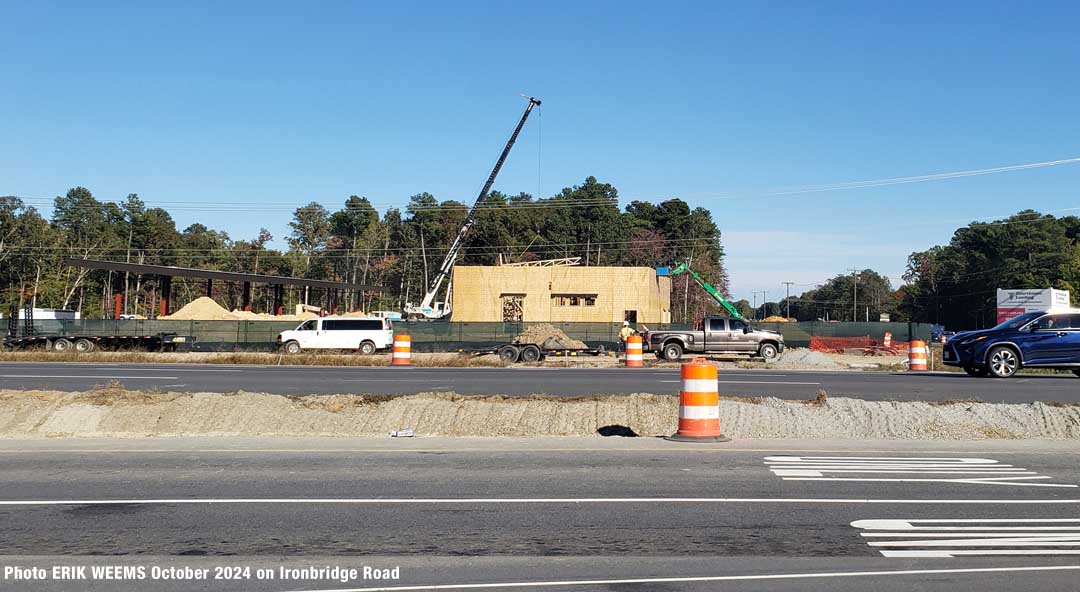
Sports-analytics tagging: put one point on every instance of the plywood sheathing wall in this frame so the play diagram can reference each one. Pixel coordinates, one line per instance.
(478, 293)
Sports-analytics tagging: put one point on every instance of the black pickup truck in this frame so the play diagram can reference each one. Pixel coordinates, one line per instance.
(721, 335)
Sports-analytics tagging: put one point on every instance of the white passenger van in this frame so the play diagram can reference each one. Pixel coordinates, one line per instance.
(366, 335)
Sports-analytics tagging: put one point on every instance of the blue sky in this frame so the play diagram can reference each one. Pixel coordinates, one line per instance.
(270, 105)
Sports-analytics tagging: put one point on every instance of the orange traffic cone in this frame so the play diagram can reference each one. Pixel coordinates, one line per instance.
(402, 351)
(634, 358)
(699, 404)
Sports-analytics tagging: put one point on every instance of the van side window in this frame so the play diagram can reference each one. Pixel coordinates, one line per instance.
(353, 325)
(308, 326)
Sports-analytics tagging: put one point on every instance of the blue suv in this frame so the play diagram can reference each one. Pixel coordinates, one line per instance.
(1044, 339)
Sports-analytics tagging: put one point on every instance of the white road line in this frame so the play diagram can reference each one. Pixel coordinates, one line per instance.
(972, 471)
(983, 481)
(89, 376)
(172, 370)
(767, 382)
(568, 500)
(689, 579)
(911, 539)
(937, 459)
(914, 523)
(979, 552)
(429, 379)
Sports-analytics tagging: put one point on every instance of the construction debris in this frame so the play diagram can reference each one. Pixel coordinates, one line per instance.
(550, 337)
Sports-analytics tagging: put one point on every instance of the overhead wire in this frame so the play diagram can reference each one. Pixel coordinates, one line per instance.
(220, 205)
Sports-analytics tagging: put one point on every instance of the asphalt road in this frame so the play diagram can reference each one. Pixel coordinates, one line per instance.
(624, 514)
(931, 386)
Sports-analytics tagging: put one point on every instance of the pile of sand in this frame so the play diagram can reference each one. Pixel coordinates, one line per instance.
(119, 413)
(201, 309)
(205, 308)
(776, 319)
(540, 334)
(247, 315)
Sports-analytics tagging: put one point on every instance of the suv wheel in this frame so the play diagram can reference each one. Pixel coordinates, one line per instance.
(768, 351)
(976, 371)
(367, 348)
(292, 347)
(1002, 362)
(672, 351)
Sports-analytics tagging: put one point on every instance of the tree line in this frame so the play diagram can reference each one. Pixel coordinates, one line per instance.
(399, 250)
(956, 284)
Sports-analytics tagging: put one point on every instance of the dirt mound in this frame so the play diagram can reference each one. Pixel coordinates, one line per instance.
(775, 319)
(114, 412)
(202, 309)
(540, 334)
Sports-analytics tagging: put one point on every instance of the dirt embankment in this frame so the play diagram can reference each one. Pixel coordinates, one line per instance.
(112, 412)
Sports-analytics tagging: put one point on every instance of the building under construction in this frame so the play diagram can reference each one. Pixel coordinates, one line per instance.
(511, 293)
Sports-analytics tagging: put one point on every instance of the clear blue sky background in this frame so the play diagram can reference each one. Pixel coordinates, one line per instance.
(273, 104)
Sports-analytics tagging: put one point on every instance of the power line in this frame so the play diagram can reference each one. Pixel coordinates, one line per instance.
(245, 250)
(899, 180)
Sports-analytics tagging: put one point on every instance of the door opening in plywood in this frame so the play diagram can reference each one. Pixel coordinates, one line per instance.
(630, 315)
(513, 308)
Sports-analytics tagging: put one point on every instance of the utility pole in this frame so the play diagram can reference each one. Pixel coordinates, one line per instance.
(763, 293)
(854, 294)
(788, 297)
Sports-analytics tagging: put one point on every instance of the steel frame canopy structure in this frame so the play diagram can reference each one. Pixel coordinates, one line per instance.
(167, 272)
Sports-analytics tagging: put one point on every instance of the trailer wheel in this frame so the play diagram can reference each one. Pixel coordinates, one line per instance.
(292, 347)
(84, 345)
(530, 354)
(508, 353)
(61, 345)
(367, 348)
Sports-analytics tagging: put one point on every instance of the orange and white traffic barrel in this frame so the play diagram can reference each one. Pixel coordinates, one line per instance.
(402, 351)
(917, 355)
(699, 404)
(634, 357)
(887, 342)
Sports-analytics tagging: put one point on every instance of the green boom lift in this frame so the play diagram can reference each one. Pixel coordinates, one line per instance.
(684, 268)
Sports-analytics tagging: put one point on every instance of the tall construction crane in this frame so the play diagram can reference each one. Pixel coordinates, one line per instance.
(730, 308)
(428, 308)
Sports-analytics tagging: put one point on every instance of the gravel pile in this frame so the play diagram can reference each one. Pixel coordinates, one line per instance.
(119, 413)
(540, 334)
(805, 359)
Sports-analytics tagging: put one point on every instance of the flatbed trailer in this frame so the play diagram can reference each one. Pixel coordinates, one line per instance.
(83, 343)
(532, 352)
